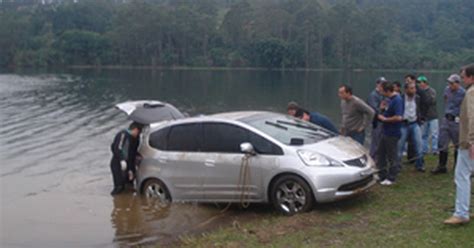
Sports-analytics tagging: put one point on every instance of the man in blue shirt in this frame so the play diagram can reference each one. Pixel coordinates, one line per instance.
(449, 128)
(387, 152)
(316, 118)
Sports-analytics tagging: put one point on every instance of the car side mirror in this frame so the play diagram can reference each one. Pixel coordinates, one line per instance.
(247, 148)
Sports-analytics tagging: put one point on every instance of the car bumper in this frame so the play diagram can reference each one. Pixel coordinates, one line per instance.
(353, 185)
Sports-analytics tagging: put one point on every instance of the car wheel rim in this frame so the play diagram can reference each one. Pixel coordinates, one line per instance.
(291, 197)
(155, 191)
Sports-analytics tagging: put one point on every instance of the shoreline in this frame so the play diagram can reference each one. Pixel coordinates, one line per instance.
(217, 68)
(210, 68)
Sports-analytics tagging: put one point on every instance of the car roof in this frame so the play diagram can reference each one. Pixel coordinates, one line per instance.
(239, 115)
(226, 116)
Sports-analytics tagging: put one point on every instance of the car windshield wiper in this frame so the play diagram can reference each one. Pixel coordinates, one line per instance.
(276, 125)
(299, 125)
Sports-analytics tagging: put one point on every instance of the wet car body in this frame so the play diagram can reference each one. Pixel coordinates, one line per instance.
(251, 156)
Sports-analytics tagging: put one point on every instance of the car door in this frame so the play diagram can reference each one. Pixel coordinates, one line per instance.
(184, 161)
(224, 179)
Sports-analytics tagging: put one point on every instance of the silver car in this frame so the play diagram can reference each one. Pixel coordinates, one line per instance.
(250, 156)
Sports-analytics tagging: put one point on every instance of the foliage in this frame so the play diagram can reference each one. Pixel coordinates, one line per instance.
(249, 33)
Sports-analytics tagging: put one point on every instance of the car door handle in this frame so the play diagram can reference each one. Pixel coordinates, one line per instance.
(210, 163)
(163, 160)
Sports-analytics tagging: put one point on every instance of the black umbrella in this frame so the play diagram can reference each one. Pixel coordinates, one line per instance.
(151, 112)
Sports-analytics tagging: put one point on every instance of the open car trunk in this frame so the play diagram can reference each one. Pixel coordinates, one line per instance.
(149, 111)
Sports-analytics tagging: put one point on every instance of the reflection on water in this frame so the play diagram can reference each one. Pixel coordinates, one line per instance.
(57, 128)
(140, 221)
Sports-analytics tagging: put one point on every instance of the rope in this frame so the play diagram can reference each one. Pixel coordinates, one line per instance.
(244, 180)
(242, 186)
(439, 150)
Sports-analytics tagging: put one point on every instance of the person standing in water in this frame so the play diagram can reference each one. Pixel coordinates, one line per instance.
(120, 156)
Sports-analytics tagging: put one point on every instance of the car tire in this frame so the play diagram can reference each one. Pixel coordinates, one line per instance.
(156, 191)
(290, 194)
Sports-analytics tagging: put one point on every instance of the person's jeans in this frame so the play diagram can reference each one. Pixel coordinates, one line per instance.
(462, 178)
(376, 136)
(413, 132)
(357, 136)
(430, 129)
(388, 153)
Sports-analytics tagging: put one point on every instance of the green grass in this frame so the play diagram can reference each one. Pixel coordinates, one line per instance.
(407, 214)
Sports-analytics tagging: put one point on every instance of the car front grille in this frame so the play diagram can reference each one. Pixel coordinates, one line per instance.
(357, 184)
(358, 162)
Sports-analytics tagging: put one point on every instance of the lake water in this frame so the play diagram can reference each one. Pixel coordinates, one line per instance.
(57, 128)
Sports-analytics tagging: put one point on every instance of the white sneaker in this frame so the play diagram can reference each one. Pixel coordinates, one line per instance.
(386, 182)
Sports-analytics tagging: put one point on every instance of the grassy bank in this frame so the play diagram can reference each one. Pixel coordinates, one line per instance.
(408, 214)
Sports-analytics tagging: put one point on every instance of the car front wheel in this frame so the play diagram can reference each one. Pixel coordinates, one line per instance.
(290, 195)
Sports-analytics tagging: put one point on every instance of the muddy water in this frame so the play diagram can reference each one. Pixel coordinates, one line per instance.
(56, 131)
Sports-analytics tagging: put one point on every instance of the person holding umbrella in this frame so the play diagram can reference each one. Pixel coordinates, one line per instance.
(121, 161)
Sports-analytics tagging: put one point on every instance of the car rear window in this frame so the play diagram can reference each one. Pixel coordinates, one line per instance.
(159, 139)
(185, 137)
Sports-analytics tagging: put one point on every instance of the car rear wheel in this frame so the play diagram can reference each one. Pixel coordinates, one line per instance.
(155, 190)
(290, 194)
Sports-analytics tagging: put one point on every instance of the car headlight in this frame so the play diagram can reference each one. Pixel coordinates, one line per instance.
(311, 158)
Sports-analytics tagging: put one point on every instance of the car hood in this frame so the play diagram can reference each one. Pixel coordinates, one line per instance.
(339, 148)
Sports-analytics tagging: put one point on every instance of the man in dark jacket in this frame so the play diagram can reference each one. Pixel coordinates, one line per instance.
(411, 125)
(376, 100)
(429, 115)
(121, 161)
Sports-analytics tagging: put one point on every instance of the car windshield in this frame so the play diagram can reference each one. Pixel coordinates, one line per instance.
(288, 130)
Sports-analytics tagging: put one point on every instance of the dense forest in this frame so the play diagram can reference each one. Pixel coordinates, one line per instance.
(417, 34)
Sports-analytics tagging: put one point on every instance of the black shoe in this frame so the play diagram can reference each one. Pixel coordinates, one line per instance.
(439, 170)
(422, 170)
(116, 191)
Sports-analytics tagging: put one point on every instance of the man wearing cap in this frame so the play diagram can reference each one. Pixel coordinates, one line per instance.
(449, 128)
(429, 115)
(465, 162)
(376, 101)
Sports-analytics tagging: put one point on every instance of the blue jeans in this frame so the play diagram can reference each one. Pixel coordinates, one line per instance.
(430, 129)
(462, 178)
(357, 136)
(376, 136)
(414, 132)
